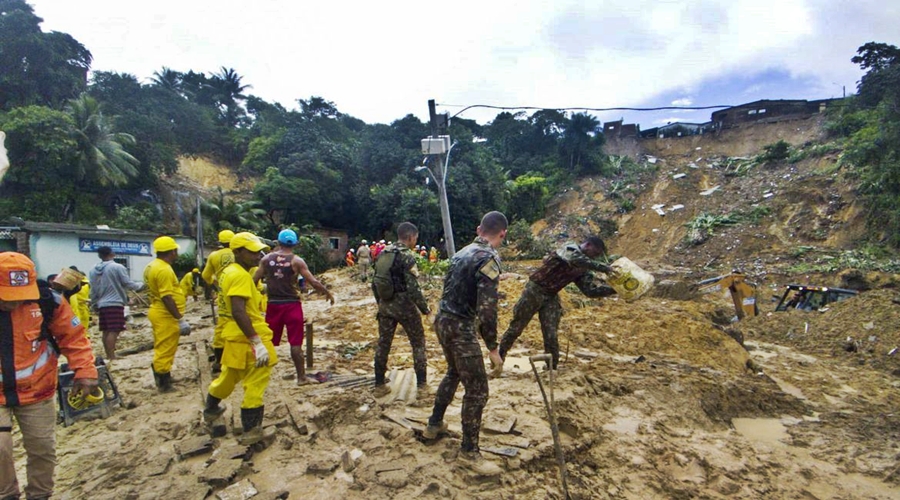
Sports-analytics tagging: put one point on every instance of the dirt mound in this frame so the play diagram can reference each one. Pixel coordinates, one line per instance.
(651, 327)
(864, 330)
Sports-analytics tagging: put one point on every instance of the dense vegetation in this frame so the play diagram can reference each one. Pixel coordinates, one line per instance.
(868, 129)
(84, 150)
(93, 150)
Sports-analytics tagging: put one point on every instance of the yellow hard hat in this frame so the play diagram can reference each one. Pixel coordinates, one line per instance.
(195, 270)
(165, 244)
(247, 240)
(225, 236)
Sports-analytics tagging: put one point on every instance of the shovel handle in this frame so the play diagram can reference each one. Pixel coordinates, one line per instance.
(540, 357)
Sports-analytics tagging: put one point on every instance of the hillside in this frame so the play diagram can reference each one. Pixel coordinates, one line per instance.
(789, 216)
(654, 399)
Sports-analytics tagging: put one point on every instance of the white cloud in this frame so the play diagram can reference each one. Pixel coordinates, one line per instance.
(379, 61)
(683, 101)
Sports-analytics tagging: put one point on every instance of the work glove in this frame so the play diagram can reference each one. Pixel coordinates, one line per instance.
(184, 328)
(260, 351)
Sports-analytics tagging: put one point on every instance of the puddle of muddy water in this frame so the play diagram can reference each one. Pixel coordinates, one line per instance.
(765, 430)
(789, 388)
(518, 364)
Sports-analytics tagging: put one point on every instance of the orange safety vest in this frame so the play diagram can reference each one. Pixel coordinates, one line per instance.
(28, 362)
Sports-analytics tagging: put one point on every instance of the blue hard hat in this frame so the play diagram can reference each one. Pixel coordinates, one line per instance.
(287, 237)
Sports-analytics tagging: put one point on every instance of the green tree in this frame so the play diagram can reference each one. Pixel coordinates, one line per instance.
(40, 149)
(528, 197)
(581, 146)
(37, 68)
(101, 158)
(235, 215)
(228, 91)
(872, 123)
(168, 79)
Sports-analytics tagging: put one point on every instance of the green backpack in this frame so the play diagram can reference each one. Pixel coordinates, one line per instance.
(388, 275)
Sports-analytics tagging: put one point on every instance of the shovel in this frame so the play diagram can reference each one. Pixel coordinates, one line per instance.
(554, 429)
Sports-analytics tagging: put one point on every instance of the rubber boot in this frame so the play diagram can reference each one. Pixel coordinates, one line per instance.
(217, 364)
(212, 414)
(164, 382)
(251, 421)
(155, 376)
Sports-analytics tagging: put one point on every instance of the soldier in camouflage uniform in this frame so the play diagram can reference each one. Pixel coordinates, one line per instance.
(469, 303)
(571, 263)
(396, 268)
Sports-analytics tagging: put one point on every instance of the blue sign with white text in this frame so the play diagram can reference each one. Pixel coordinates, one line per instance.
(118, 246)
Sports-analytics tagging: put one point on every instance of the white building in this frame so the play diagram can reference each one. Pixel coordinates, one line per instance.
(53, 246)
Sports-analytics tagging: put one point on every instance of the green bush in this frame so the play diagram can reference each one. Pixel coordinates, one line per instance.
(529, 247)
(143, 217)
(185, 263)
(701, 227)
(776, 151)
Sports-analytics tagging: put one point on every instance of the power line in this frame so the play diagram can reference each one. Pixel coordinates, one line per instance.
(537, 108)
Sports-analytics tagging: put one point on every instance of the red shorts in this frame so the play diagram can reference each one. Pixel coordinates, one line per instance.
(290, 315)
(112, 319)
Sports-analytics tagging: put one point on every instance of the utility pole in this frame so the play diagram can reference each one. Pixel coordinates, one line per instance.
(440, 177)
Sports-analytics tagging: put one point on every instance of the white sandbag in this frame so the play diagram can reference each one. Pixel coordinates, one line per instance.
(629, 280)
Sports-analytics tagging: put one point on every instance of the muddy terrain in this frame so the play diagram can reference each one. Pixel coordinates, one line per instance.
(655, 398)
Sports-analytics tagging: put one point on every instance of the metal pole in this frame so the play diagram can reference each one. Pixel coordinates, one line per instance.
(440, 178)
(445, 208)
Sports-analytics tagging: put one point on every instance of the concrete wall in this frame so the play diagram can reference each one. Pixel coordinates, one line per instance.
(54, 251)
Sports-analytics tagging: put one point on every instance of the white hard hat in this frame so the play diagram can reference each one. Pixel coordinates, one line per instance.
(364, 242)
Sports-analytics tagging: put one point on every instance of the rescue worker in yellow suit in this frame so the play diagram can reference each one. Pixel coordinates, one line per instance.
(166, 313)
(190, 285)
(249, 354)
(81, 304)
(215, 263)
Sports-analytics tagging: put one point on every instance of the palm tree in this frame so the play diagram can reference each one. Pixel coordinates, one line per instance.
(578, 137)
(236, 215)
(168, 79)
(101, 158)
(228, 91)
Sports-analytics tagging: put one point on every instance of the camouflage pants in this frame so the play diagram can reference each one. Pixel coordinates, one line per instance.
(464, 364)
(390, 314)
(549, 309)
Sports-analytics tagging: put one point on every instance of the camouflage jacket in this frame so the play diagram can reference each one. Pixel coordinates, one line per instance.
(471, 288)
(567, 265)
(404, 275)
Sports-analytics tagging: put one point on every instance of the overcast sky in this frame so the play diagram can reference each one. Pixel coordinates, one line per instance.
(379, 61)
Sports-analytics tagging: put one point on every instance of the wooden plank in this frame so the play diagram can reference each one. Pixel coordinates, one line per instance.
(500, 424)
(502, 451)
(397, 419)
(295, 417)
(518, 442)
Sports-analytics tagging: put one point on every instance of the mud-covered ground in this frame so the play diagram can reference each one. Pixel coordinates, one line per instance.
(653, 401)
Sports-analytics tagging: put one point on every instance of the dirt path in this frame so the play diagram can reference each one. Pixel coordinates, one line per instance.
(658, 403)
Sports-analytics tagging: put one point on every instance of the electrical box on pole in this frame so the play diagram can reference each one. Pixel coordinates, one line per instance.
(436, 145)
